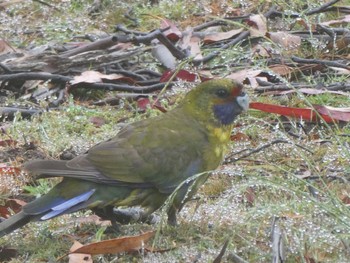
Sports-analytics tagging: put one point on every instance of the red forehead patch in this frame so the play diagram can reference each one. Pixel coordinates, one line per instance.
(236, 91)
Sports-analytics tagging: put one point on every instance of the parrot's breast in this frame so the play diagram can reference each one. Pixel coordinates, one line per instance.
(218, 139)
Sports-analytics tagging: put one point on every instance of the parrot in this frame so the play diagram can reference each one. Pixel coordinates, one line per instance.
(145, 162)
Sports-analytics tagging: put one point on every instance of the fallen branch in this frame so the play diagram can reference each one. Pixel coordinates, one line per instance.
(321, 8)
(146, 39)
(243, 35)
(97, 45)
(121, 87)
(34, 76)
(231, 159)
(9, 112)
(268, 86)
(321, 62)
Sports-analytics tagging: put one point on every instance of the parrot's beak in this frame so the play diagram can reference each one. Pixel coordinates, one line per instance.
(243, 101)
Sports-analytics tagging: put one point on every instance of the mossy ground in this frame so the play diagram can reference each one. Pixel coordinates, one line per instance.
(302, 182)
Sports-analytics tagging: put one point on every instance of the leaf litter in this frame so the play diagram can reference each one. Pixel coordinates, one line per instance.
(107, 67)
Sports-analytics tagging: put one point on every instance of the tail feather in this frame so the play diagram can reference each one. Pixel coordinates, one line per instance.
(49, 206)
(16, 221)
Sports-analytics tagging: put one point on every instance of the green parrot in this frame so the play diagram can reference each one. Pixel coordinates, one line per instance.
(145, 162)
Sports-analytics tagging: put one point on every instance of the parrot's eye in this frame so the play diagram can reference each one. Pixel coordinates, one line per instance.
(222, 93)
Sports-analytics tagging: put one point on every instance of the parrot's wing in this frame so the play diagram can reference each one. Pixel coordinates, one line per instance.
(153, 153)
(150, 153)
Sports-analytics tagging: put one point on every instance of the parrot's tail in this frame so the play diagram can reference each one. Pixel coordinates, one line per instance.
(14, 222)
(46, 207)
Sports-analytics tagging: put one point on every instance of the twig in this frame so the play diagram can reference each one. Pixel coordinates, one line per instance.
(148, 72)
(128, 16)
(9, 112)
(268, 86)
(210, 24)
(125, 30)
(273, 13)
(243, 35)
(221, 22)
(278, 248)
(103, 43)
(127, 73)
(235, 258)
(222, 252)
(322, 62)
(47, 4)
(229, 158)
(146, 39)
(322, 8)
(329, 31)
(5, 68)
(34, 76)
(121, 87)
(338, 9)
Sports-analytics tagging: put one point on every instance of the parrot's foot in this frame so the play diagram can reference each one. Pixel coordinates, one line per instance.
(134, 215)
(107, 213)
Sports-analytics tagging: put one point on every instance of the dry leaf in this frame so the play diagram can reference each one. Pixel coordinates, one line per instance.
(116, 245)
(341, 114)
(343, 20)
(246, 76)
(173, 33)
(195, 49)
(285, 40)
(258, 26)
(218, 36)
(5, 47)
(78, 257)
(282, 70)
(92, 76)
(311, 91)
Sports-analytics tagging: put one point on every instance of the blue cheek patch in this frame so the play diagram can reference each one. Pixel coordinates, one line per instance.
(226, 113)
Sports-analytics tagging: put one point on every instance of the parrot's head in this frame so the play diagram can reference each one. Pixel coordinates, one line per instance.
(218, 101)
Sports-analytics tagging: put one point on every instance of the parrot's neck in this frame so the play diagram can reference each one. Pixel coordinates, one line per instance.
(218, 134)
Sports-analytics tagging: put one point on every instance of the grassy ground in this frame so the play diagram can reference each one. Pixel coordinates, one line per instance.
(302, 182)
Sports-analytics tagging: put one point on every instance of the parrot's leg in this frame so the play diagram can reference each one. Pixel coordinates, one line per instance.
(134, 215)
(172, 216)
(106, 213)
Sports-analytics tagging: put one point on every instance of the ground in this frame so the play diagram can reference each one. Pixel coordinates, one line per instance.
(281, 174)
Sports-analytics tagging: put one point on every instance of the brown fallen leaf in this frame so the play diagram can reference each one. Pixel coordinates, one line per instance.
(341, 114)
(239, 137)
(311, 91)
(5, 169)
(195, 49)
(9, 142)
(246, 76)
(7, 253)
(287, 41)
(344, 20)
(91, 76)
(282, 70)
(182, 74)
(78, 257)
(116, 245)
(6, 47)
(218, 36)
(258, 25)
(173, 33)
